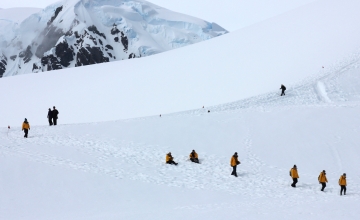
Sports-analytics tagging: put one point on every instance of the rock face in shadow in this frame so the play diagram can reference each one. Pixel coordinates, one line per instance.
(3, 63)
(90, 55)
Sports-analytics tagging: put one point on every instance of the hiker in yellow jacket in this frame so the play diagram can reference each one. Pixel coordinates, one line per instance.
(234, 162)
(294, 175)
(342, 183)
(322, 179)
(194, 157)
(170, 159)
(26, 128)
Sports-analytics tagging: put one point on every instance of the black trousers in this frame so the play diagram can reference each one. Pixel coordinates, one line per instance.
(294, 182)
(171, 162)
(195, 160)
(323, 186)
(26, 131)
(343, 188)
(50, 121)
(282, 92)
(54, 120)
(234, 171)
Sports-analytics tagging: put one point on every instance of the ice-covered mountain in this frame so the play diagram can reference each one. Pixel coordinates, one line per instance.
(74, 33)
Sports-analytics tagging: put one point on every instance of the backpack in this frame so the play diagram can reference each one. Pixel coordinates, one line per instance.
(290, 172)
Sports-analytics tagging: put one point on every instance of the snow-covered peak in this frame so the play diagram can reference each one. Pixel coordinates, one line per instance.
(73, 33)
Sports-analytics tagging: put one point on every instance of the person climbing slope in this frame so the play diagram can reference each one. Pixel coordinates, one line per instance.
(342, 183)
(294, 175)
(322, 179)
(194, 157)
(283, 88)
(26, 128)
(234, 162)
(170, 159)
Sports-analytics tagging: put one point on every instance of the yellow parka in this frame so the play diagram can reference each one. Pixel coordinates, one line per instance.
(294, 173)
(342, 180)
(195, 156)
(234, 161)
(168, 158)
(25, 126)
(322, 177)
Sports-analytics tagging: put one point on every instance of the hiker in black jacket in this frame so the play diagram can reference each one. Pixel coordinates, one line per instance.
(49, 116)
(55, 113)
(283, 88)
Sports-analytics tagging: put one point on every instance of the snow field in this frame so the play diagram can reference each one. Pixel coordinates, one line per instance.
(269, 138)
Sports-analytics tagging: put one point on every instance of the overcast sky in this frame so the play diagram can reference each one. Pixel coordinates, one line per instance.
(230, 14)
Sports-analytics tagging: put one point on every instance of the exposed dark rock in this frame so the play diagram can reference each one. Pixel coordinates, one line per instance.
(124, 41)
(36, 68)
(94, 29)
(3, 63)
(13, 57)
(132, 55)
(26, 54)
(51, 63)
(109, 47)
(57, 11)
(114, 30)
(116, 39)
(64, 53)
(90, 55)
(77, 35)
(110, 55)
(100, 41)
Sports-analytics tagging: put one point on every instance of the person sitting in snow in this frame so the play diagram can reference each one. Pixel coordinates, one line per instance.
(294, 175)
(234, 162)
(170, 159)
(26, 127)
(283, 88)
(194, 157)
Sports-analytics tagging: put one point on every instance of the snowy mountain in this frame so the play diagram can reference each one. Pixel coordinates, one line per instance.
(74, 33)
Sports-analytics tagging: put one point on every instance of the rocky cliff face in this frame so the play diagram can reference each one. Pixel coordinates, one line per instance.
(75, 33)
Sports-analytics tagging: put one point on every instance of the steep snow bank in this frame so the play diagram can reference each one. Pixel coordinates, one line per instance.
(239, 65)
(231, 14)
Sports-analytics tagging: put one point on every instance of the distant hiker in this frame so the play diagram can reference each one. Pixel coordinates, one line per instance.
(160, 115)
(208, 111)
(55, 113)
(170, 159)
(49, 116)
(283, 88)
(294, 175)
(322, 179)
(26, 128)
(194, 157)
(342, 183)
(234, 162)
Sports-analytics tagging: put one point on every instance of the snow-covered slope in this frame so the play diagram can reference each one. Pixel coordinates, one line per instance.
(73, 33)
(18, 14)
(233, 15)
(116, 170)
(239, 65)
